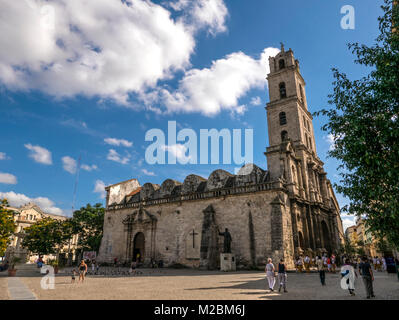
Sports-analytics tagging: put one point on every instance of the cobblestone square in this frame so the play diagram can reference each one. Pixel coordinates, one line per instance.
(186, 284)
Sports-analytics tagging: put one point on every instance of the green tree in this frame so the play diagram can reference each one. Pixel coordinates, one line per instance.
(88, 224)
(47, 236)
(364, 121)
(7, 226)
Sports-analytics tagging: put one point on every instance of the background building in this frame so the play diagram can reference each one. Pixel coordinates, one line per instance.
(25, 216)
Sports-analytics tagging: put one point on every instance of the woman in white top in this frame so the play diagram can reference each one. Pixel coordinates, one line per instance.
(348, 274)
(270, 274)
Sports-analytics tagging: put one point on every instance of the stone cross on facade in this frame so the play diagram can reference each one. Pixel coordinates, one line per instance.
(193, 234)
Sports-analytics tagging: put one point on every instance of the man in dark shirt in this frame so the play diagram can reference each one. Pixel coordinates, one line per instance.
(368, 277)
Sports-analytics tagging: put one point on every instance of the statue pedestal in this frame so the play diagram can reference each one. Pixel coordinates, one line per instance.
(227, 262)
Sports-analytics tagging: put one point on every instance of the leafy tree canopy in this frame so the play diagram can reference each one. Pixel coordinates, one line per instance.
(88, 224)
(47, 236)
(7, 225)
(364, 121)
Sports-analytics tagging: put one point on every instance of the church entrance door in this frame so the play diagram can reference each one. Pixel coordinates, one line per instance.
(139, 247)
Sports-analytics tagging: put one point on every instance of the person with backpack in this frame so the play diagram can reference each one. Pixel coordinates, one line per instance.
(282, 276)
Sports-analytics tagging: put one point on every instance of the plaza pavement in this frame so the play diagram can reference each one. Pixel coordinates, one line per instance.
(185, 284)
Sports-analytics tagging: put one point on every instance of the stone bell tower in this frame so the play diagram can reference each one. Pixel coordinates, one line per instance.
(292, 159)
(292, 148)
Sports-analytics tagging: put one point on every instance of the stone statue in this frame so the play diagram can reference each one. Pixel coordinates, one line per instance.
(227, 241)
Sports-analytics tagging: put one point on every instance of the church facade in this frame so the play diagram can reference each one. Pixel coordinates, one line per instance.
(282, 212)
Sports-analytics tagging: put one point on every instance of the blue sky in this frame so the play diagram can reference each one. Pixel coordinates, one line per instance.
(87, 75)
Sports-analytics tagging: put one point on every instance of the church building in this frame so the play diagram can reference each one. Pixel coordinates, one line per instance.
(285, 211)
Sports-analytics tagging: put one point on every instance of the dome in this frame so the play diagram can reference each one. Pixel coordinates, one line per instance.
(218, 179)
(250, 174)
(147, 191)
(191, 183)
(167, 187)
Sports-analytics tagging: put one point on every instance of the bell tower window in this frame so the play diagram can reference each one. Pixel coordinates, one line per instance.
(281, 64)
(283, 91)
(283, 118)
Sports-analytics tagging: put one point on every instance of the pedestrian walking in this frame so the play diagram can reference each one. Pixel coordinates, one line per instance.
(329, 265)
(93, 266)
(282, 276)
(348, 275)
(384, 264)
(307, 263)
(375, 263)
(133, 266)
(368, 277)
(333, 263)
(321, 269)
(378, 264)
(73, 276)
(300, 264)
(82, 271)
(270, 274)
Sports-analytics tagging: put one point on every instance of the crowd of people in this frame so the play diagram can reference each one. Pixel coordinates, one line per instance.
(350, 270)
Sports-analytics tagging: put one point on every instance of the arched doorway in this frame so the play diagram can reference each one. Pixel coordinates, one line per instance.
(326, 236)
(139, 247)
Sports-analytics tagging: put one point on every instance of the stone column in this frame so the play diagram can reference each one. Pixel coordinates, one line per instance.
(310, 228)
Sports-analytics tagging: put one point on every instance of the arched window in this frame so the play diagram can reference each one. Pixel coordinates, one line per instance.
(283, 91)
(310, 143)
(284, 136)
(283, 118)
(281, 64)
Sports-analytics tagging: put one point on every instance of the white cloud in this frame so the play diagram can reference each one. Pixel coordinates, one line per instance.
(8, 178)
(256, 101)
(210, 14)
(69, 164)
(18, 199)
(3, 156)
(99, 187)
(118, 142)
(138, 44)
(39, 154)
(115, 156)
(347, 222)
(89, 168)
(148, 173)
(178, 150)
(219, 87)
(331, 141)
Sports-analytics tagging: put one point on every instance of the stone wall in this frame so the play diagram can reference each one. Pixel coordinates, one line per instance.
(174, 231)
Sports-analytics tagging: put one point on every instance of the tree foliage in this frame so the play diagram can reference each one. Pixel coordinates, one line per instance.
(47, 236)
(364, 121)
(7, 225)
(88, 224)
